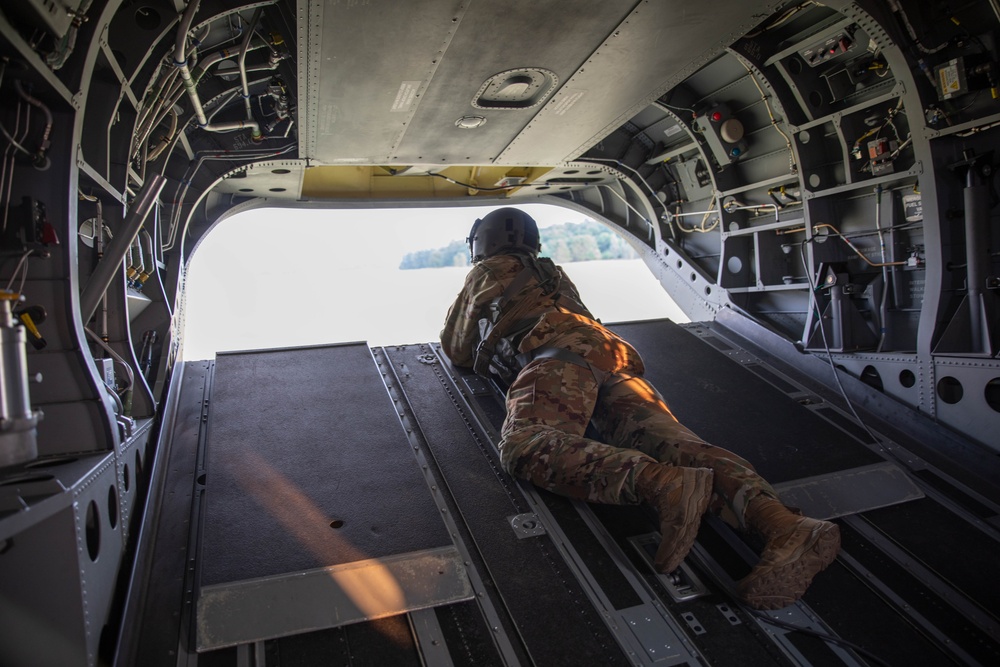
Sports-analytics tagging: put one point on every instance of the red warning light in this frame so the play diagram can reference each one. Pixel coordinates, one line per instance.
(716, 116)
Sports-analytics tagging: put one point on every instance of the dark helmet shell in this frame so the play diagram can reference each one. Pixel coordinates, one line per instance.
(504, 230)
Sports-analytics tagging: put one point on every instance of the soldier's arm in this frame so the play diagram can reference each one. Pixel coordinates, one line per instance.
(567, 288)
(461, 328)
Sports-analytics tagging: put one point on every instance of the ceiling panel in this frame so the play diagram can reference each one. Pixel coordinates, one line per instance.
(494, 38)
(364, 66)
(659, 45)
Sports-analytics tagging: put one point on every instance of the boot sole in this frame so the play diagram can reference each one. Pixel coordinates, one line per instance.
(697, 495)
(784, 584)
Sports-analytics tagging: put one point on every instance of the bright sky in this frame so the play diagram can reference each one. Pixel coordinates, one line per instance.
(291, 277)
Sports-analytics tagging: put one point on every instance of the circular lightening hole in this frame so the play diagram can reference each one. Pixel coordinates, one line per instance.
(907, 378)
(113, 506)
(92, 531)
(950, 390)
(870, 376)
(992, 393)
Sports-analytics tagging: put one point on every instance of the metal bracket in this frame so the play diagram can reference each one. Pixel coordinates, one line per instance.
(682, 584)
(728, 613)
(526, 525)
(693, 623)
(477, 386)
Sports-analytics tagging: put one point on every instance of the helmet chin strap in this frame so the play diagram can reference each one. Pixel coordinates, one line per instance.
(470, 239)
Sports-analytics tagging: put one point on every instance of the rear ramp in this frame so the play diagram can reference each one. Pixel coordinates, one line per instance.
(395, 439)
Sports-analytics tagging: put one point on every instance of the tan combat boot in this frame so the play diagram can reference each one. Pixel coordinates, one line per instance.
(680, 496)
(798, 548)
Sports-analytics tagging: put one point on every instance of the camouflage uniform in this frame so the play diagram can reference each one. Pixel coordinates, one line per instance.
(551, 402)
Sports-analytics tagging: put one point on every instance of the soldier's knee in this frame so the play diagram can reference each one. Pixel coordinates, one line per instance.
(518, 449)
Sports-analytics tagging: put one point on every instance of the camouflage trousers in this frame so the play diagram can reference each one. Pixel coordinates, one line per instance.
(551, 402)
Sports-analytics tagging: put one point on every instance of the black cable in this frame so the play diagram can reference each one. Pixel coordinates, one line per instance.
(475, 187)
(833, 366)
(823, 636)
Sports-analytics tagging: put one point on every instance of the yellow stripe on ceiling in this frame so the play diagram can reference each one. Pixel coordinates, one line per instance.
(350, 181)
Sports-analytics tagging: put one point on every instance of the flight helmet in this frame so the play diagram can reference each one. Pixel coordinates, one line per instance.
(504, 230)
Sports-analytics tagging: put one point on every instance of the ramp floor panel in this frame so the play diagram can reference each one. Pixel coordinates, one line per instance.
(315, 508)
(533, 583)
(729, 406)
(316, 460)
(299, 440)
(940, 615)
(955, 549)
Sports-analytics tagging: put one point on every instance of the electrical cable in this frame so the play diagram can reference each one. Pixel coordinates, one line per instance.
(114, 355)
(701, 229)
(781, 19)
(905, 20)
(8, 169)
(856, 149)
(13, 275)
(694, 114)
(832, 639)
(3, 71)
(814, 306)
(502, 188)
(792, 166)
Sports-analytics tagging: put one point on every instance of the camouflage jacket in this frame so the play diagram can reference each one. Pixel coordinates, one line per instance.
(487, 281)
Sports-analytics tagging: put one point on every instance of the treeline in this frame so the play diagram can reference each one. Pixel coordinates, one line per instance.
(569, 242)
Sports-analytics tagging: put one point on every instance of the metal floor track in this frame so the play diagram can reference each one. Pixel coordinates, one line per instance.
(369, 434)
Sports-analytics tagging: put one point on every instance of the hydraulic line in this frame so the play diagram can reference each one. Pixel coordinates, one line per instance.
(125, 404)
(180, 60)
(792, 167)
(105, 270)
(147, 271)
(40, 159)
(255, 134)
(99, 227)
(185, 184)
(837, 232)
